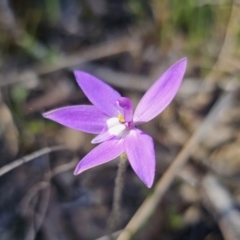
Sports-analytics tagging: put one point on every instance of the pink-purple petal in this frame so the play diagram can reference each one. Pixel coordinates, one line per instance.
(140, 152)
(101, 95)
(158, 97)
(103, 153)
(81, 117)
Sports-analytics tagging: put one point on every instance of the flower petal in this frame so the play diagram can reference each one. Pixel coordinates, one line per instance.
(103, 153)
(81, 117)
(101, 95)
(157, 98)
(140, 151)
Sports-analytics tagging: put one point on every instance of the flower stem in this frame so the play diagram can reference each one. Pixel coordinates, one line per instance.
(117, 195)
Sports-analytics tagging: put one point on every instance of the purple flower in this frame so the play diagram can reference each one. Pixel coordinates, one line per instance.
(112, 118)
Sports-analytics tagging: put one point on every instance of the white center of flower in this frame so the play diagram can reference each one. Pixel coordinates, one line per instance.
(115, 127)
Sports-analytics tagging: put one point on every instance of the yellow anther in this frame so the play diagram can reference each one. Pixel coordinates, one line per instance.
(121, 118)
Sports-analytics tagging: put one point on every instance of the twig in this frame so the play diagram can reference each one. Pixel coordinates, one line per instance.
(221, 205)
(124, 44)
(43, 185)
(9, 167)
(217, 201)
(114, 235)
(39, 217)
(150, 204)
(46, 182)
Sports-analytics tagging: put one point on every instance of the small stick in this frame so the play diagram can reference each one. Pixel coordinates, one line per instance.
(106, 49)
(32, 192)
(114, 236)
(9, 167)
(221, 205)
(43, 186)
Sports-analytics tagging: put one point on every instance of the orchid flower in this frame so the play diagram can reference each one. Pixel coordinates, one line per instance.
(113, 119)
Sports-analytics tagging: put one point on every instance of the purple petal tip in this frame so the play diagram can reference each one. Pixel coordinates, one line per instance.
(78, 72)
(161, 93)
(45, 114)
(183, 60)
(75, 172)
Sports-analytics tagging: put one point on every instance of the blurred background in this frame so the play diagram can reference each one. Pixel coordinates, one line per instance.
(128, 44)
